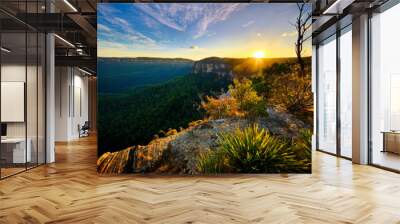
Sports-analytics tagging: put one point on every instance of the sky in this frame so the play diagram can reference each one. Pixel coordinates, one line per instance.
(197, 30)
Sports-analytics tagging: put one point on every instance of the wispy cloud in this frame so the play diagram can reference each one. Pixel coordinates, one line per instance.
(149, 22)
(218, 13)
(194, 18)
(119, 30)
(160, 13)
(106, 11)
(120, 22)
(289, 34)
(249, 23)
(103, 28)
(111, 44)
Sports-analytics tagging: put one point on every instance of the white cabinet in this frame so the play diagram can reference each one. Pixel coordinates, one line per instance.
(19, 154)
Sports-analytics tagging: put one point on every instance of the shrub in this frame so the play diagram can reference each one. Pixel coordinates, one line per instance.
(252, 150)
(211, 162)
(171, 131)
(224, 106)
(248, 101)
(290, 91)
(195, 123)
(279, 69)
(302, 145)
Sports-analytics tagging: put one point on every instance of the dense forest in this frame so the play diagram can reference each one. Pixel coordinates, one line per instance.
(118, 75)
(136, 116)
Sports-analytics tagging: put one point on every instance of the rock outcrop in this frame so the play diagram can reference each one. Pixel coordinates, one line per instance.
(219, 66)
(178, 153)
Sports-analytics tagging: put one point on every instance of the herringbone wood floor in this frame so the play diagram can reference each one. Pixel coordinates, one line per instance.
(70, 191)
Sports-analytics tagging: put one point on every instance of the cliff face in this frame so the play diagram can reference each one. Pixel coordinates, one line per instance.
(179, 153)
(219, 66)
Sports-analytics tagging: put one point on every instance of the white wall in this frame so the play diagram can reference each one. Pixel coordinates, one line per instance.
(71, 102)
(9, 73)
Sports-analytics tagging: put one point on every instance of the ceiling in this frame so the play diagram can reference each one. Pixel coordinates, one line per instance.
(75, 21)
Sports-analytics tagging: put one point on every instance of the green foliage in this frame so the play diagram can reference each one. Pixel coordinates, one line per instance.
(134, 117)
(119, 75)
(221, 107)
(249, 102)
(241, 100)
(279, 69)
(252, 150)
(287, 89)
(260, 86)
(211, 162)
(294, 94)
(302, 145)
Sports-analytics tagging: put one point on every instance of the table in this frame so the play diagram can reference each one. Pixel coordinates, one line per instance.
(391, 141)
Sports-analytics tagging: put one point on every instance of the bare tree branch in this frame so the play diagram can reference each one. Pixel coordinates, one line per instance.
(302, 25)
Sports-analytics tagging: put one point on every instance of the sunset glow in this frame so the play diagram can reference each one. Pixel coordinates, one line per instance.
(259, 54)
(197, 31)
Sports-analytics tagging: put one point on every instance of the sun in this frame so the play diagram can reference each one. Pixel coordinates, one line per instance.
(259, 54)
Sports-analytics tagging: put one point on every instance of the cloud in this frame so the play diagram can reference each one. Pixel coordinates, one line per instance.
(119, 21)
(149, 21)
(249, 23)
(159, 13)
(120, 30)
(113, 27)
(214, 15)
(193, 18)
(289, 34)
(106, 10)
(103, 28)
(194, 47)
(211, 34)
(110, 44)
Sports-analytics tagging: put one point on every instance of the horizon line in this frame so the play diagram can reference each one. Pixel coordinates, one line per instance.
(306, 56)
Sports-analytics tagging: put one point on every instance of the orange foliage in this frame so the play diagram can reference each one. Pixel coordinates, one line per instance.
(224, 106)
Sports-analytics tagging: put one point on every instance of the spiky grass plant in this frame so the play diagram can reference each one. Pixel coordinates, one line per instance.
(254, 150)
(115, 162)
(303, 143)
(211, 162)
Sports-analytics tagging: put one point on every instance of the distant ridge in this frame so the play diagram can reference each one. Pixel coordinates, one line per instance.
(207, 59)
(151, 59)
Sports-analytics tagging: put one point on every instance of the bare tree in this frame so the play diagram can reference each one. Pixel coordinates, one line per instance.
(303, 24)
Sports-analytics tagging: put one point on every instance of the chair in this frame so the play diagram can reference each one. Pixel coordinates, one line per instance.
(84, 130)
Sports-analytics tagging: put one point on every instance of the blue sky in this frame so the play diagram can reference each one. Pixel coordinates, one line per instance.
(196, 30)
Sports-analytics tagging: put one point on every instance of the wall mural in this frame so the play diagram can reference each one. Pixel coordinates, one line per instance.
(204, 88)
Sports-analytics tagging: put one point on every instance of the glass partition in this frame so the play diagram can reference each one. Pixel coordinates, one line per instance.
(346, 92)
(385, 89)
(41, 97)
(31, 99)
(22, 77)
(326, 104)
(14, 153)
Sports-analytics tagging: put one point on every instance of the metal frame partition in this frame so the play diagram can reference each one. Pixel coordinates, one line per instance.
(337, 29)
(40, 37)
(380, 9)
(334, 30)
